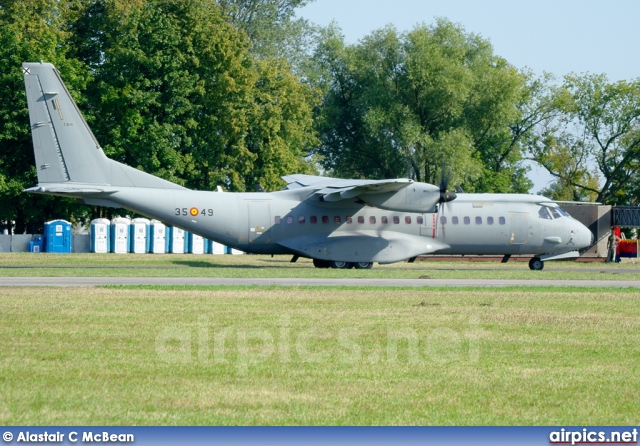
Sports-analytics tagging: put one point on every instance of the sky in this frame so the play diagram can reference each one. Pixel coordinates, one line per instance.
(559, 36)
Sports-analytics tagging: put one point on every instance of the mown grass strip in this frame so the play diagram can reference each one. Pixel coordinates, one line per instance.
(281, 355)
(250, 266)
(463, 289)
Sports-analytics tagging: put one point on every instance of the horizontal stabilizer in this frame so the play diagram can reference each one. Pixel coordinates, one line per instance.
(70, 189)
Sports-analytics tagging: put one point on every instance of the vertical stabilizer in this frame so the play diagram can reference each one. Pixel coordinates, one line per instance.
(64, 146)
(66, 150)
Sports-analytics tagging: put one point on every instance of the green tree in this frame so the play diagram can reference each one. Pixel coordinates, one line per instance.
(279, 132)
(593, 146)
(409, 104)
(272, 28)
(30, 30)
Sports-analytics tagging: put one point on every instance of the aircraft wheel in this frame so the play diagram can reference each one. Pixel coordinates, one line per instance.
(321, 263)
(339, 264)
(363, 265)
(536, 264)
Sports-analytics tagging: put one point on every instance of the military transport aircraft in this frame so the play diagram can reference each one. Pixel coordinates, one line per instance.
(339, 223)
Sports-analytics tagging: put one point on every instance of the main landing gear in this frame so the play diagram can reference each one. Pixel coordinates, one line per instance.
(339, 264)
(536, 264)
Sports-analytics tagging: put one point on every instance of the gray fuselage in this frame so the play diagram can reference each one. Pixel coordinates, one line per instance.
(287, 222)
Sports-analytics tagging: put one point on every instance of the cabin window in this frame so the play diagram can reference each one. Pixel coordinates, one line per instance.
(420, 220)
(478, 220)
(278, 220)
(454, 220)
(396, 220)
(289, 219)
(360, 219)
(489, 220)
(349, 220)
(544, 213)
(301, 220)
(325, 219)
(502, 221)
(337, 219)
(313, 219)
(407, 220)
(443, 220)
(372, 220)
(467, 221)
(384, 220)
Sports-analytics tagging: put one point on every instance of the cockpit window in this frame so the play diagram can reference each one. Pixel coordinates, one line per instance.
(544, 213)
(551, 213)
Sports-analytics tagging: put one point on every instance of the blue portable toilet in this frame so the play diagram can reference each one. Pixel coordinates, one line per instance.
(57, 236)
(120, 235)
(36, 244)
(197, 244)
(208, 245)
(177, 240)
(158, 237)
(100, 241)
(139, 240)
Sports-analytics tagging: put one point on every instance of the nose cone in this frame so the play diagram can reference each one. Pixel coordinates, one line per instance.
(582, 236)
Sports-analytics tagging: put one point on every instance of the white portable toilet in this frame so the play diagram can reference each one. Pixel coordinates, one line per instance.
(120, 235)
(139, 236)
(100, 235)
(218, 248)
(176, 242)
(158, 237)
(196, 244)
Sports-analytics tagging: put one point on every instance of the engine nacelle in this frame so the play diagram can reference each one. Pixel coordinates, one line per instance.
(416, 197)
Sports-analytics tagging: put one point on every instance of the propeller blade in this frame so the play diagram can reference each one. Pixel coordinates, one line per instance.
(445, 194)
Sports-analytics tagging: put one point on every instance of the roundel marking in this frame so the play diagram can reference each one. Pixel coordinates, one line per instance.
(193, 211)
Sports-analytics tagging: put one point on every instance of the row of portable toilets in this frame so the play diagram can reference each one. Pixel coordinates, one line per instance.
(140, 236)
(123, 235)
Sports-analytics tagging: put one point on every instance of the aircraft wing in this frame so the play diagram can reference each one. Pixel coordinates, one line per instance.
(336, 189)
(399, 194)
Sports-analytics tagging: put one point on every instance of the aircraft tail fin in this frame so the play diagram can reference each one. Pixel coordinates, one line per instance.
(65, 148)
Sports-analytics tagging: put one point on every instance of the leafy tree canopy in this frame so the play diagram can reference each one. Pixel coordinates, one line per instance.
(399, 104)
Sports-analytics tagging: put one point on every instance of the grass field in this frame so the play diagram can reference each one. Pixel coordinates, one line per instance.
(339, 356)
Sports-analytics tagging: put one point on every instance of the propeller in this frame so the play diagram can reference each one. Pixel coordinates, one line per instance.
(445, 196)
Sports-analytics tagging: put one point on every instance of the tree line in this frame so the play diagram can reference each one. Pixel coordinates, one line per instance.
(240, 92)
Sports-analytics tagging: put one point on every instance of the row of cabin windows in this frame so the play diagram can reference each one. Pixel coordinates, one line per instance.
(478, 220)
(349, 220)
(385, 220)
